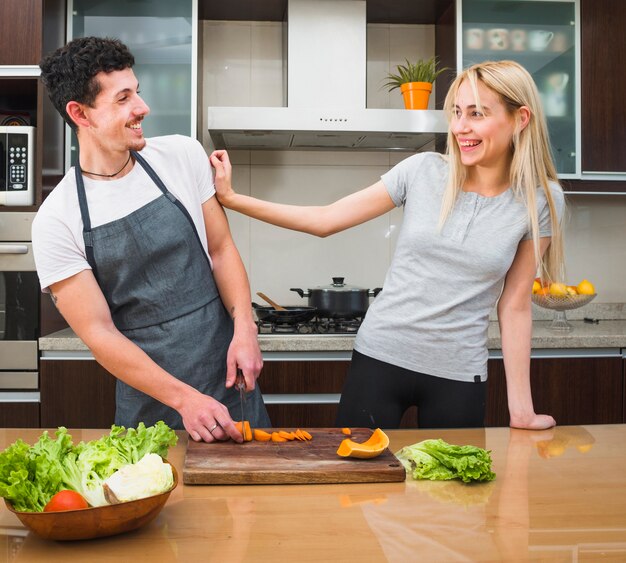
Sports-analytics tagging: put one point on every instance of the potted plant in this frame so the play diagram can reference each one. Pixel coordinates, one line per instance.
(415, 81)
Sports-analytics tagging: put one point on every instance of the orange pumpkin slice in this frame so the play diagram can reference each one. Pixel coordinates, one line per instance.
(373, 447)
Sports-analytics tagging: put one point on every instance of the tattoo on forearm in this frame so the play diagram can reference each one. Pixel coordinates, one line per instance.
(54, 298)
(232, 312)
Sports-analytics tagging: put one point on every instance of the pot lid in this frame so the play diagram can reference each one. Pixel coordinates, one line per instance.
(339, 285)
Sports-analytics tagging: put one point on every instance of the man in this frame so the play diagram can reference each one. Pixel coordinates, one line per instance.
(138, 256)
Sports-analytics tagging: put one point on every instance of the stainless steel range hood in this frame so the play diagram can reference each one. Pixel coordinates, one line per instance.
(326, 92)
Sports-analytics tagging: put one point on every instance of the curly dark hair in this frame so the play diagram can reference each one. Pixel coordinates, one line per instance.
(69, 72)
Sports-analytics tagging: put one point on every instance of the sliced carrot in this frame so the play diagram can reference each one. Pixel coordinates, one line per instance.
(346, 431)
(246, 432)
(307, 435)
(276, 437)
(261, 435)
(299, 436)
(287, 435)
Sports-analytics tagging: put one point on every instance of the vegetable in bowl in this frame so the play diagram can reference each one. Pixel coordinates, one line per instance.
(31, 476)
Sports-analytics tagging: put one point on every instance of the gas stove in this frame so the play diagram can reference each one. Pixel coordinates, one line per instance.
(314, 326)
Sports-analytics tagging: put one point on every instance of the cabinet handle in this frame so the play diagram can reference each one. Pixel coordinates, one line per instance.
(13, 249)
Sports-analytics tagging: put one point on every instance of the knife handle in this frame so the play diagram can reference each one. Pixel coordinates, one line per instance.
(240, 380)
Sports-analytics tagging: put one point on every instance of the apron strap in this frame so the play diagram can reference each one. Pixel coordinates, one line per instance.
(84, 212)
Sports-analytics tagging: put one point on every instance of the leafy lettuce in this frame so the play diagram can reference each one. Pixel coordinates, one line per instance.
(30, 476)
(439, 461)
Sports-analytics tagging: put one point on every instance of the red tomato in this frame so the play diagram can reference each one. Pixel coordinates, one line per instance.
(66, 500)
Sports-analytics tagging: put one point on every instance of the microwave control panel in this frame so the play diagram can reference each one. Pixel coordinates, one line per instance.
(18, 156)
(17, 172)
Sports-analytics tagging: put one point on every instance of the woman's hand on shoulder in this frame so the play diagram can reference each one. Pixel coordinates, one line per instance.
(533, 422)
(223, 176)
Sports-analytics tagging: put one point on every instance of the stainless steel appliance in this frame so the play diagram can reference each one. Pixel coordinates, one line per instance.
(314, 325)
(326, 78)
(19, 310)
(17, 165)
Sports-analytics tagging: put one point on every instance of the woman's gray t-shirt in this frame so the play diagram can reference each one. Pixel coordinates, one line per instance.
(433, 313)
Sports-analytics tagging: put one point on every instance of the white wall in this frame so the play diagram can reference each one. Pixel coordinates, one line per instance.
(243, 65)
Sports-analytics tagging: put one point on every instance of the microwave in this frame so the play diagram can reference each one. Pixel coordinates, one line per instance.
(17, 165)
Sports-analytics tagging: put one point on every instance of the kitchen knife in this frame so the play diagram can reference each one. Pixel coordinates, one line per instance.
(240, 382)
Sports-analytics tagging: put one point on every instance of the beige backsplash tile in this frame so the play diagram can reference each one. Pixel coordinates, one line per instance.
(595, 244)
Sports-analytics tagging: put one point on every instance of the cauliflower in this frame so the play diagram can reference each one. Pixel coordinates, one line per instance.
(149, 476)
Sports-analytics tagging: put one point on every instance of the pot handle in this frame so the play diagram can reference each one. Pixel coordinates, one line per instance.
(300, 292)
(374, 292)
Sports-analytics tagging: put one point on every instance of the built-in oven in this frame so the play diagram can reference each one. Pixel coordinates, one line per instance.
(19, 310)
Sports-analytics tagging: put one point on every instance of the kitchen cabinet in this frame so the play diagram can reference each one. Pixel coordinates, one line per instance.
(28, 29)
(577, 390)
(496, 29)
(17, 46)
(19, 415)
(624, 386)
(543, 40)
(76, 393)
(161, 35)
(603, 87)
(306, 393)
(81, 393)
(20, 92)
(603, 115)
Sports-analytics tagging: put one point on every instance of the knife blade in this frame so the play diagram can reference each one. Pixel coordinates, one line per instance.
(240, 383)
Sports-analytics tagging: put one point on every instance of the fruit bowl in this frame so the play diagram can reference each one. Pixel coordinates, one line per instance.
(559, 304)
(95, 522)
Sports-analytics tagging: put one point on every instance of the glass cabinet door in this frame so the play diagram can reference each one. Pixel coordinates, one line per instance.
(541, 36)
(161, 36)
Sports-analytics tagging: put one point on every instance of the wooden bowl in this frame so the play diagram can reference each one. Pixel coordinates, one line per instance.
(96, 522)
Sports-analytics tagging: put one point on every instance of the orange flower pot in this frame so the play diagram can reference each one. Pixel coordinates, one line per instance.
(416, 94)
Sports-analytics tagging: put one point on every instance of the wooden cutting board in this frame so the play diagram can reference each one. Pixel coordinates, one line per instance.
(293, 462)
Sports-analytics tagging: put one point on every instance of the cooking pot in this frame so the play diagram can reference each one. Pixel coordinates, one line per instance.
(291, 315)
(339, 300)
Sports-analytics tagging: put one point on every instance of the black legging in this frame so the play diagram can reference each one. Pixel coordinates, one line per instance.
(376, 395)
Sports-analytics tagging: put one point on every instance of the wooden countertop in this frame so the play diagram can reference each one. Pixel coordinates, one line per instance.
(559, 495)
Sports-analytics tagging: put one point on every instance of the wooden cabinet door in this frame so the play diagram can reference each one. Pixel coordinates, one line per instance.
(603, 118)
(21, 32)
(77, 394)
(304, 378)
(572, 390)
(19, 415)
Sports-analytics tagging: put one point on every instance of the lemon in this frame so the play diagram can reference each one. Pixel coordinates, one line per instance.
(585, 287)
(536, 286)
(558, 289)
(571, 290)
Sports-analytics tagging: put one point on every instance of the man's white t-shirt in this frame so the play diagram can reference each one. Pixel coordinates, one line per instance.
(58, 246)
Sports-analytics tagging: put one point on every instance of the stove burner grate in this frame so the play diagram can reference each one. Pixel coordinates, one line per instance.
(316, 325)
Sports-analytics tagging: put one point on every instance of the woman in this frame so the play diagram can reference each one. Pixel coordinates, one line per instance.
(478, 225)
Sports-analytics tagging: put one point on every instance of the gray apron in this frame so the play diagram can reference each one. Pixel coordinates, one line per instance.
(158, 283)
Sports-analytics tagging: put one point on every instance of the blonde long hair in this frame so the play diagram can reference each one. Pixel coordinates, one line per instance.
(532, 167)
